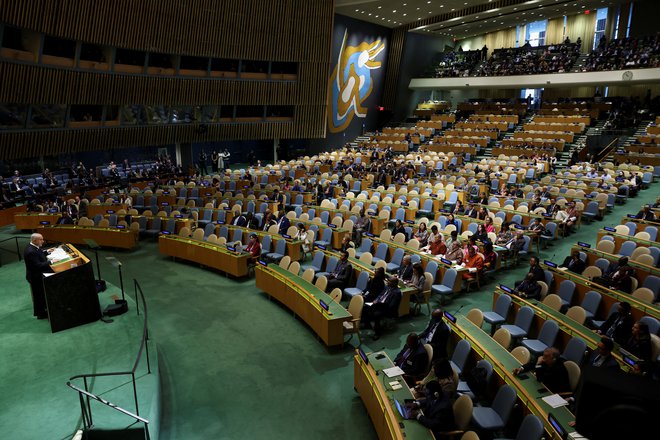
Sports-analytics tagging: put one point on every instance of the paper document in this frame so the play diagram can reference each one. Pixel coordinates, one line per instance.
(57, 254)
(393, 371)
(555, 401)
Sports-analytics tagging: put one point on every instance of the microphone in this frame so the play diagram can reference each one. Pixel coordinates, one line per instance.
(553, 257)
(459, 309)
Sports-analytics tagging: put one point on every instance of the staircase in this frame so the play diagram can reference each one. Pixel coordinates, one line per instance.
(580, 62)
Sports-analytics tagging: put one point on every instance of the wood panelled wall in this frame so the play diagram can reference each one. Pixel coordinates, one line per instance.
(284, 30)
(33, 143)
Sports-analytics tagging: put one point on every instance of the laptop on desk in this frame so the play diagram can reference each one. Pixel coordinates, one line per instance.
(405, 411)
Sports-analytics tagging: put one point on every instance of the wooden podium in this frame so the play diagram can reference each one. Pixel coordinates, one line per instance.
(71, 295)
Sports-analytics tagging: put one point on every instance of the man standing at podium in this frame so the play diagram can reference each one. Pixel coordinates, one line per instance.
(36, 264)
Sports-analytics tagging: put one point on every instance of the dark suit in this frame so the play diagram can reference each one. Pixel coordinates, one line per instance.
(554, 377)
(283, 225)
(471, 213)
(240, 221)
(436, 334)
(596, 360)
(405, 273)
(618, 327)
(386, 304)
(36, 264)
(438, 413)
(340, 277)
(573, 265)
(539, 275)
(413, 360)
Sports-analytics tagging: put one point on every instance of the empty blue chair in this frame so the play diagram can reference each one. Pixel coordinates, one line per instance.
(472, 227)
(611, 199)
(512, 179)
(451, 202)
(501, 214)
(575, 350)
(207, 218)
(208, 230)
(365, 246)
(602, 264)
(280, 251)
(517, 219)
(447, 286)
(155, 227)
(653, 232)
(655, 253)
(460, 356)
(400, 215)
(521, 325)
(427, 208)
(432, 268)
(546, 338)
(499, 313)
(652, 323)
(325, 216)
(265, 244)
(326, 238)
(394, 264)
(652, 282)
(360, 285)
(627, 248)
(550, 234)
(495, 417)
(316, 264)
(590, 304)
(632, 228)
(237, 235)
(566, 292)
(329, 267)
(623, 194)
(381, 253)
(531, 428)
(224, 232)
(591, 211)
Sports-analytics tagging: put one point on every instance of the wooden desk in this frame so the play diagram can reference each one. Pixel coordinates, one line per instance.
(293, 247)
(378, 399)
(7, 214)
(619, 239)
(641, 224)
(216, 256)
(302, 298)
(503, 364)
(641, 270)
(568, 328)
(109, 237)
(105, 208)
(31, 221)
(609, 296)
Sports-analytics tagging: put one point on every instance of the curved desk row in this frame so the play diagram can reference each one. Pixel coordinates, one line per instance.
(109, 237)
(304, 300)
(213, 255)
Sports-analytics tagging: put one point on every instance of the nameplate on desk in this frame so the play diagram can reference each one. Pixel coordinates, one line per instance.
(550, 264)
(286, 236)
(405, 204)
(246, 186)
(110, 211)
(546, 215)
(506, 289)
(319, 246)
(263, 263)
(410, 222)
(631, 216)
(104, 192)
(332, 225)
(220, 222)
(448, 262)
(208, 194)
(120, 227)
(165, 203)
(227, 208)
(584, 245)
(433, 195)
(450, 317)
(165, 232)
(44, 222)
(369, 234)
(557, 426)
(231, 248)
(324, 306)
(166, 192)
(517, 226)
(363, 355)
(608, 229)
(444, 210)
(628, 360)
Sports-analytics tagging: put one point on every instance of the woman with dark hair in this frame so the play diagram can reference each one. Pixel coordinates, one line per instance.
(451, 221)
(481, 234)
(417, 282)
(488, 224)
(444, 374)
(458, 208)
(490, 257)
(254, 248)
(639, 342)
(399, 228)
(422, 235)
(482, 214)
(376, 285)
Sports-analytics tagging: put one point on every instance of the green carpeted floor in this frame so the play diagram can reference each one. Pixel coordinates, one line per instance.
(233, 364)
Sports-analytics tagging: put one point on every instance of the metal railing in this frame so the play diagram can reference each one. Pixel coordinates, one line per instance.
(86, 396)
(18, 249)
(602, 154)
